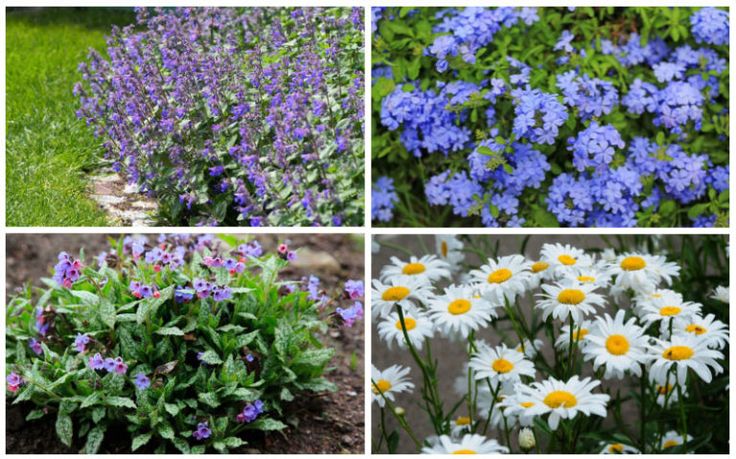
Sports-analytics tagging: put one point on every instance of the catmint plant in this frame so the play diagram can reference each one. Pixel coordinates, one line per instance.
(191, 341)
(234, 116)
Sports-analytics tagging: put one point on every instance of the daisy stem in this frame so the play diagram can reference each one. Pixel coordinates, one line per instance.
(494, 393)
(383, 429)
(683, 416)
(643, 407)
(429, 381)
(508, 435)
(570, 349)
(471, 407)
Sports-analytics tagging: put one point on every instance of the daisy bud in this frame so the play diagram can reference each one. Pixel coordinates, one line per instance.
(399, 411)
(526, 439)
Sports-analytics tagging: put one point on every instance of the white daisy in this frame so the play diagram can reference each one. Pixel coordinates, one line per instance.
(667, 392)
(617, 448)
(528, 348)
(418, 327)
(667, 306)
(582, 329)
(500, 364)
(569, 298)
(389, 382)
(720, 294)
(405, 292)
(564, 400)
(461, 425)
(516, 408)
(618, 346)
(592, 275)
(468, 444)
(712, 331)
(648, 299)
(685, 351)
(565, 260)
(642, 272)
(540, 272)
(506, 278)
(672, 439)
(460, 310)
(450, 249)
(429, 269)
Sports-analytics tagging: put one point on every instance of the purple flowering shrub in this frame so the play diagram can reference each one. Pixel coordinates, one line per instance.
(235, 116)
(191, 341)
(550, 116)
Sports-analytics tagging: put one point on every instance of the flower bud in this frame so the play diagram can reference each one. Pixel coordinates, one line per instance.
(399, 411)
(526, 439)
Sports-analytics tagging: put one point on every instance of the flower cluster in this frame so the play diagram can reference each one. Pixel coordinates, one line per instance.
(67, 270)
(208, 342)
(549, 131)
(547, 341)
(247, 116)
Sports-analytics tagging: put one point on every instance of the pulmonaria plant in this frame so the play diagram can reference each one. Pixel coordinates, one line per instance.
(235, 116)
(610, 117)
(190, 353)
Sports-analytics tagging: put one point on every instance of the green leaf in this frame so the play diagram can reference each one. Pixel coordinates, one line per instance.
(170, 331)
(98, 413)
(171, 409)
(92, 399)
(108, 313)
(181, 445)
(696, 210)
(165, 430)
(314, 357)
(64, 429)
(140, 440)
(266, 424)
(209, 398)
(35, 414)
(233, 442)
(94, 439)
(120, 402)
(210, 357)
(88, 298)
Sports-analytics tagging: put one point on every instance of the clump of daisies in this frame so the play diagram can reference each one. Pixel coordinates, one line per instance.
(552, 345)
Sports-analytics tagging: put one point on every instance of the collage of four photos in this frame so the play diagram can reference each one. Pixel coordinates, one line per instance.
(367, 230)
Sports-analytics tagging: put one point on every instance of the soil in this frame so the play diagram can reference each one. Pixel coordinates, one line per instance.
(331, 423)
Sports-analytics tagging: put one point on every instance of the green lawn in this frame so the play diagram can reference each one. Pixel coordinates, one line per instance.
(49, 151)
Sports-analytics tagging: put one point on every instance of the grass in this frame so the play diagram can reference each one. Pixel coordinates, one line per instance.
(49, 151)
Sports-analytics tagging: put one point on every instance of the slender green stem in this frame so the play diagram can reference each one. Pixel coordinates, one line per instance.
(571, 345)
(383, 429)
(400, 419)
(683, 416)
(643, 408)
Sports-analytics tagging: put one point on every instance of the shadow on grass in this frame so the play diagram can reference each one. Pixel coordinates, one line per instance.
(91, 18)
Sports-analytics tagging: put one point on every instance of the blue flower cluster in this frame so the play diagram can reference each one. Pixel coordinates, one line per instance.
(514, 113)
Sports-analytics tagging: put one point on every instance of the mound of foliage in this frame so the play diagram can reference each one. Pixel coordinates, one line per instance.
(550, 116)
(186, 342)
(235, 116)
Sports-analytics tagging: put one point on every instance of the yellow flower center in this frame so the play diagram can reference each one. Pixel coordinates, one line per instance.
(395, 293)
(656, 295)
(462, 420)
(586, 279)
(560, 398)
(502, 366)
(633, 263)
(580, 334)
(443, 249)
(678, 353)
(567, 260)
(670, 444)
(413, 268)
(499, 276)
(616, 448)
(571, 296)
(464, 451)
(539, 266)
(664, 390)
(409, 323)
(527, 404)
(617, 344)
(669, 311)
(697, 329)
(381, 386)
(459, 306)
